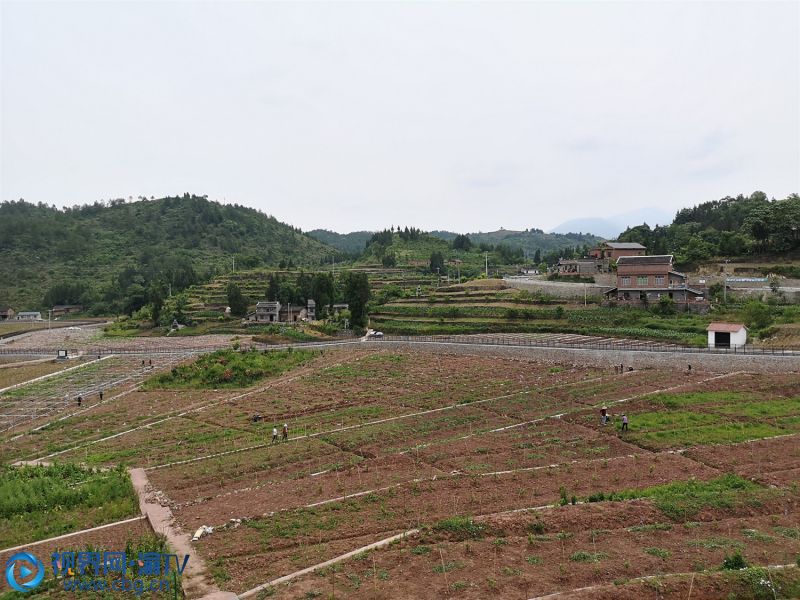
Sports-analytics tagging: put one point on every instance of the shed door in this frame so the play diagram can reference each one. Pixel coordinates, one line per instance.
(722, 339)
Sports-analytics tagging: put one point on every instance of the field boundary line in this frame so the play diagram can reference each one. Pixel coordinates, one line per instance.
(74, 533)
(327, 563)
(50, 375)
(168, 416)
(661, 576)
(370, 423)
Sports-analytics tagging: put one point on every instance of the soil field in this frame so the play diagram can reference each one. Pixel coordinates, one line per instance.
(500, 467)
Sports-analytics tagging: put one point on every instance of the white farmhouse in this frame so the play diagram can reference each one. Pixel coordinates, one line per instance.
(726, 335)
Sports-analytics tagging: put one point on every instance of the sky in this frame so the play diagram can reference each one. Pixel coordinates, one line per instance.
(466, 116)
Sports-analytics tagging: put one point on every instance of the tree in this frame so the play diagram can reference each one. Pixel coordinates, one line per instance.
(323, 289)
(273, 285)
(236, 300)
(757, 315)
(389, 260)
(462, 242)
(437, 262)
(357, 294)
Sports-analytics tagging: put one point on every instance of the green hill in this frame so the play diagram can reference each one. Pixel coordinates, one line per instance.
(731, 227)
(348, 243)
(528, 240)
(112, 256)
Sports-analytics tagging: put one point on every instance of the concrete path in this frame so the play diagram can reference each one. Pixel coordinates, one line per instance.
(196, 583)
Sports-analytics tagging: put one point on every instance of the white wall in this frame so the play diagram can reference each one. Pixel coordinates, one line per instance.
(738, 338)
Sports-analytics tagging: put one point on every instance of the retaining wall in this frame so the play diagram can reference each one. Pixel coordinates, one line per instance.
(638, 359)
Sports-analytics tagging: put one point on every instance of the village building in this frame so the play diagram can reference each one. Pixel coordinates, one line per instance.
(275, 312)
(643, 280)
(616, 250)
(580, 267)
(59, 310)
(600, 259)
(28, 316)
(726, 335)
(6, 313)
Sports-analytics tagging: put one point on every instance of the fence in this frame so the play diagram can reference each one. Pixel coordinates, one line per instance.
(620, 344)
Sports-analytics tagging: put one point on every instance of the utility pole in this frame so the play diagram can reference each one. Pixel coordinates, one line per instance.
(438, 278)
(234, 264)
(486, 256)
(49, 314)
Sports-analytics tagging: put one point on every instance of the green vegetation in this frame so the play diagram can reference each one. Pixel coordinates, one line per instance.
(734, 562)
(582, 556)
(118, 256)
(460, 528)
(230, 369)
(726, 227)
(681, 500)
(41, 502)
(725, 417)
(659, 552)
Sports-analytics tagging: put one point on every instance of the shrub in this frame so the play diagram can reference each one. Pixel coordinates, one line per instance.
(461, 528)
(735, 562)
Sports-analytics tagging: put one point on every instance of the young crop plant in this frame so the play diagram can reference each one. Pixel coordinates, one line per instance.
(43, 501)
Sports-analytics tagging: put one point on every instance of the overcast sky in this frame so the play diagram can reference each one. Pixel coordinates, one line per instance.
(446, 115)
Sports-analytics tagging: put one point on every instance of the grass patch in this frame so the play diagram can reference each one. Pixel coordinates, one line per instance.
(460, 528)
(229, 369)
(680, 500)
(582, 556)
(659, 552)
(41, 502)
(650, 528)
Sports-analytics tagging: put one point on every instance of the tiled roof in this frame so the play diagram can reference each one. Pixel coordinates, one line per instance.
(625, 246)
(658, 259)
(725, 327)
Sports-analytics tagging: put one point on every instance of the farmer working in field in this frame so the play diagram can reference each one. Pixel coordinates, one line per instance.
(285, 432)
(274, 434)
(624, 422)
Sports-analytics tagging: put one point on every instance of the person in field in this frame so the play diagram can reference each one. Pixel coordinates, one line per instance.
(80, 400)
(285, 432)
(624, 422)
(604, 415)
(274, 434)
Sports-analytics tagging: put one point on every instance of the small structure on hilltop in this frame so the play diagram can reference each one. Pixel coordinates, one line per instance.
(726, 335)
(642, 280)
(28, 315)
(6, 313)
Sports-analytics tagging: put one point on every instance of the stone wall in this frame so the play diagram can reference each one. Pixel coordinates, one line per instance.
(638, 359)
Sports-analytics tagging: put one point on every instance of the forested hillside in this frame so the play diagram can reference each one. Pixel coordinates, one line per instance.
(113, 256)
(731, 227)
(348, 243)
(528, 240)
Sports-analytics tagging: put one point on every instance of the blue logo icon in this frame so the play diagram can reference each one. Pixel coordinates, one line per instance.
(24, 571)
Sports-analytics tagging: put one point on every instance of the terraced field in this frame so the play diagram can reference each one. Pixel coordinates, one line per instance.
(472, 476)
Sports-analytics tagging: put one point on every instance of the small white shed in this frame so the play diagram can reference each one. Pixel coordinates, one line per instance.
(726, 335)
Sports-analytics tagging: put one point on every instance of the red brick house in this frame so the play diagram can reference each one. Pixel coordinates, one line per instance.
(643, 280)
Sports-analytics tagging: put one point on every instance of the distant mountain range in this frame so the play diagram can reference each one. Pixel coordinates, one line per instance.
(611, 227)
(529, 240)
